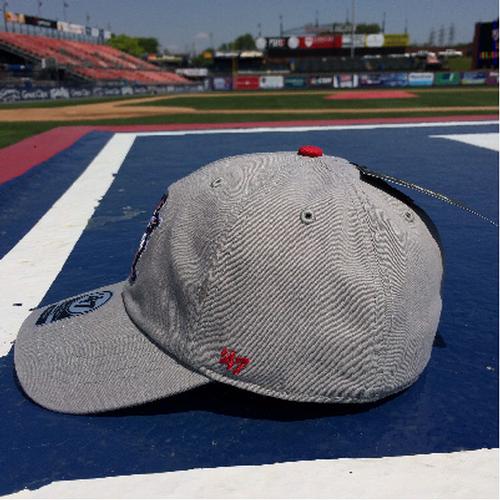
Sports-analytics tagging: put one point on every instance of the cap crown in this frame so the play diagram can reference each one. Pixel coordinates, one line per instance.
(292, 277)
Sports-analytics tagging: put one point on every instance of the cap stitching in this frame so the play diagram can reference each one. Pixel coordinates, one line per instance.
(296, 396)
(263, 389)
(388, 327)
(220, 242)
(412, 232)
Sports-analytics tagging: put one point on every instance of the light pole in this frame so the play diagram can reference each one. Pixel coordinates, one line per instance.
(5, 4)
(353, 27)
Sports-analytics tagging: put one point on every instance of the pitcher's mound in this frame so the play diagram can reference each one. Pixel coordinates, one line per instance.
(371, 94)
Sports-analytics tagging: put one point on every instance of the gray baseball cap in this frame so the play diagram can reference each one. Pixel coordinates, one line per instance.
(288, 274)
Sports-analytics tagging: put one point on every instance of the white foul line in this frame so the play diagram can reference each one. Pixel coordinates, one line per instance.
(487, 141)
(28, 270)
(313, 128)
(465, 474)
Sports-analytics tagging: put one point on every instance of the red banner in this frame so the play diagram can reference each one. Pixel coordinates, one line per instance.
(320, 42)
(246, 83)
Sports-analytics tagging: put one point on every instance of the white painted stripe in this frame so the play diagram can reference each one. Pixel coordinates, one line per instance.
(312, 128)
(466, 474)
(487, 141)
(29, 268)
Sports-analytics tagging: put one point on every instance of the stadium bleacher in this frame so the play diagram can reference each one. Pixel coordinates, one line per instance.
(88, 61)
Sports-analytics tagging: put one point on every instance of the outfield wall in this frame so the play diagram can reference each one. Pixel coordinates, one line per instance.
(13, 93)
(353, 80)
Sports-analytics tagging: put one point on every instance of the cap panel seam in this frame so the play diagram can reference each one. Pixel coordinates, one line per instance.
(220, 243)
(319, 397)
(361, 196)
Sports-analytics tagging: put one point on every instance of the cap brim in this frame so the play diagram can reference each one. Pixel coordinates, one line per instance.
(91, 358)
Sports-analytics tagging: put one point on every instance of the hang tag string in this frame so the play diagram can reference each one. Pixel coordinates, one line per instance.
(425, 191)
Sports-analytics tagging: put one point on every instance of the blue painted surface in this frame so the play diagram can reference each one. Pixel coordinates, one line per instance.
(453, 406)
(25, 199)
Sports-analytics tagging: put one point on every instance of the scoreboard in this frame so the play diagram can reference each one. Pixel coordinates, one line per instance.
(485, 46)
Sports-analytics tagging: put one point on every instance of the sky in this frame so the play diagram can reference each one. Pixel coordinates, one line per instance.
(184, 25)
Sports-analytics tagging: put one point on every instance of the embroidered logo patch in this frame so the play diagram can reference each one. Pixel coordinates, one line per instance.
(233, 362)
(74, 307)
(153, 223)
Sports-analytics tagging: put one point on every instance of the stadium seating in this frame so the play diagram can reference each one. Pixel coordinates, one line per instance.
(92, 62)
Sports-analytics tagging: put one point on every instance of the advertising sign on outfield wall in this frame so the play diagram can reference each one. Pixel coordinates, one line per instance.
(32, 93)
(246, 83)
(396, 40)
(275, 42)
(9, 95)
(370, 80)
(295, 82)
(271, 82)
(40, 22)
(383, 80)
(492, 78)
(359, 40)
(321, 81)
(395, 79)
(375, 40)
(320, 42)
(301, 42)
(260, 43)
(345, 81)
(13, 17)
(222, 83)
(474, 77)
(192, 72)
(447, 78)
(420, 79)
(59, 93)
(83, 92)
(62, 26)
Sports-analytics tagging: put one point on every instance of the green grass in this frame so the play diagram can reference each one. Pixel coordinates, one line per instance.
(64, 102)
(13, 132)
(425, 98)
(460, 63)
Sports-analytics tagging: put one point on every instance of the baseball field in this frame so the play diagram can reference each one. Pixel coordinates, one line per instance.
(21, 120)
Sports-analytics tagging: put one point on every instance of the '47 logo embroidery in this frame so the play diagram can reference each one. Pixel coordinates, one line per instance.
(233, 363)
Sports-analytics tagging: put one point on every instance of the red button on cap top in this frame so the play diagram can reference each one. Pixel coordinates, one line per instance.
(311, 151)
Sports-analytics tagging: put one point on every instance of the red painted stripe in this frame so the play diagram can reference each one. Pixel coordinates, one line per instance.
(18, 158)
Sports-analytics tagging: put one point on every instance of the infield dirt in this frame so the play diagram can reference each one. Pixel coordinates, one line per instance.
(131, 108)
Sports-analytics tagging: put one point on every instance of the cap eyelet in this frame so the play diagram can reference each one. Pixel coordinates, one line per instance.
(216, 182)
(307, 216)
(409, 216)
